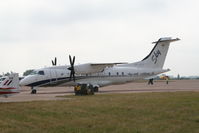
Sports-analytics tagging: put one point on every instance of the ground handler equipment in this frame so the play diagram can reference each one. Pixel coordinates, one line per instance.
(84, 89)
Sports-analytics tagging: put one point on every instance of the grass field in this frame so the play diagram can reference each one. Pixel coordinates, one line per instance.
(116, 113)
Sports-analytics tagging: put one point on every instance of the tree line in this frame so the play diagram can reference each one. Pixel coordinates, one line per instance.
(27, 72)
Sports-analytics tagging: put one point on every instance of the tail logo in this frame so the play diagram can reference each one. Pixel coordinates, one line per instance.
(155, 56)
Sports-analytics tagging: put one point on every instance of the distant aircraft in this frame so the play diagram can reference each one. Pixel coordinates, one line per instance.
(9, 85)
(101, 74)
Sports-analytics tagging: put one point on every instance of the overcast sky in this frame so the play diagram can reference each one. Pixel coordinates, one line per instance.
(32, 32)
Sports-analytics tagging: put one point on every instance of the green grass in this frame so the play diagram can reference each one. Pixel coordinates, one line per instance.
(116, 113)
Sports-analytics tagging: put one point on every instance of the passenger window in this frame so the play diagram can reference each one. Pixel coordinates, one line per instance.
(41, 72)
(117, 73)
(109, 74)
(122, 73)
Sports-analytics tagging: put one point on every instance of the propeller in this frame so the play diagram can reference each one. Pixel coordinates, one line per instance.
(54, 63)
(71, 68)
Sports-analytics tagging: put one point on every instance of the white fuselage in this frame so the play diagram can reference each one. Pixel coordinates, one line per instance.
(59, 76)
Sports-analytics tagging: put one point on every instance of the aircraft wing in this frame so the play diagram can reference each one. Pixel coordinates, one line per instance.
(90, 68)
(104, 65)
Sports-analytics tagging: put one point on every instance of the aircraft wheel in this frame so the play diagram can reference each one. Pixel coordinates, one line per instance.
(96, 89)
(33, 91)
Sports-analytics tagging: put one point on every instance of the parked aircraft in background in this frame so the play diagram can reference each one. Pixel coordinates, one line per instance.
(101, 74)
(9, 85)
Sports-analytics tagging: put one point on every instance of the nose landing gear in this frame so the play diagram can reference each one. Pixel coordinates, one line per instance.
(34, 91)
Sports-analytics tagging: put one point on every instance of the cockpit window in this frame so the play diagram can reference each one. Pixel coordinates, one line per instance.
(41, 72)
(33, 73)
(37, 72)
(2, 79)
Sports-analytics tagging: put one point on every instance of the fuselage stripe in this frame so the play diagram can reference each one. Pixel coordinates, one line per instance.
(6, 82)
(9, 82)
(9, 92)
(10, 88)
(66, 79)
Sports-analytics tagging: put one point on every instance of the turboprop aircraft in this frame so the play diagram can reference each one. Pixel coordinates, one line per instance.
(9, 85)
(101, 74)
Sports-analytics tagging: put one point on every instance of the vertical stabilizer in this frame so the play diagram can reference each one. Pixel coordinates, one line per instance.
(157, 56)
(9, 85)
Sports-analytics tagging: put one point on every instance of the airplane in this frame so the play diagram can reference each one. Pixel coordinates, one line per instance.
(9, 85)
(101, 74)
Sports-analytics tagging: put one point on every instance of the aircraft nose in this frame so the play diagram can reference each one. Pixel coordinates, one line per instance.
(23, 82)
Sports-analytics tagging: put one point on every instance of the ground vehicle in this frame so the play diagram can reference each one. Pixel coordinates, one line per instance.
(84, 89)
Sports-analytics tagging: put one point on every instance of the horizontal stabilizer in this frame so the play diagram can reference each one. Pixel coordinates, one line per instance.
(166, 39)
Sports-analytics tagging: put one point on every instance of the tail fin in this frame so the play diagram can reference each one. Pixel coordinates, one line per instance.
(157, 56)
(9, 85)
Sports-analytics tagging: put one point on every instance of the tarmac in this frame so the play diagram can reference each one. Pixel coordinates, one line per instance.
(54, 93)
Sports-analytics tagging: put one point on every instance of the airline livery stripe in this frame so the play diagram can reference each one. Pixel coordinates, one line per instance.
(6, 82)
(8, 88)
(9, 82)
(8, 92)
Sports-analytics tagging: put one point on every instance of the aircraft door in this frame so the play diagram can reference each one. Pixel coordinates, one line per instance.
(40, 76)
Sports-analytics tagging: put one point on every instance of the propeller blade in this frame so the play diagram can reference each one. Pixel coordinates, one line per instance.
(74, 76)
(70, 60)
(71, 68)
(54, 63)
(70, 76)
(73, 60)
